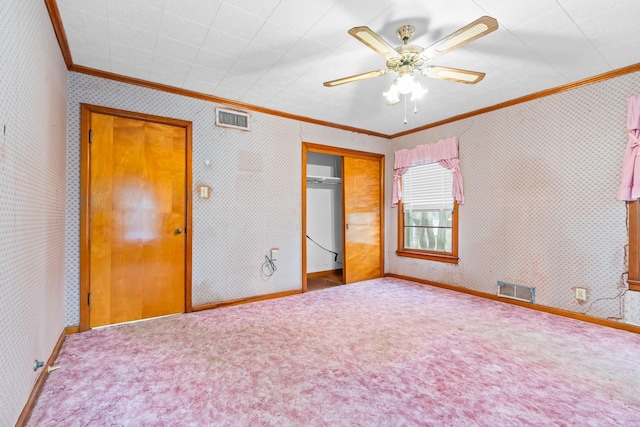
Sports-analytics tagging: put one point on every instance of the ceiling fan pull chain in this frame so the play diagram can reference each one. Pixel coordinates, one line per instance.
(405, 109)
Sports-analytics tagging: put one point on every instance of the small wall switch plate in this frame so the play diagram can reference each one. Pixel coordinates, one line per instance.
(274, 253)
(581, 294)
(203, 191)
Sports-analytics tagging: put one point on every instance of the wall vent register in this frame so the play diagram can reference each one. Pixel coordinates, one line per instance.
(232, 119)
(517, 292)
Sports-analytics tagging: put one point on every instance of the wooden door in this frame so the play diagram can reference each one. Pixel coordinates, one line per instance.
(362, 189)
(137, 219)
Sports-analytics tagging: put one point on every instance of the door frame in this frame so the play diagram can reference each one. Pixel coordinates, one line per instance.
(86, 110)
(342, 152)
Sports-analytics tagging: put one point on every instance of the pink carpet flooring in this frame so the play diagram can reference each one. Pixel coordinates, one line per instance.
(380, 353)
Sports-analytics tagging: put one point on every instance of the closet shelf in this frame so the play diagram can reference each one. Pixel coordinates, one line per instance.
(323, 179)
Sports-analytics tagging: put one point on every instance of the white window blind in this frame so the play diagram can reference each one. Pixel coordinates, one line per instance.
(427, 187)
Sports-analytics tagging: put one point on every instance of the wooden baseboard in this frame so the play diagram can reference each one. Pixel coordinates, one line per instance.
(634, 285)
(69, 330)
(245, 300)
(323, 273)
(559, 312)
(37, 388)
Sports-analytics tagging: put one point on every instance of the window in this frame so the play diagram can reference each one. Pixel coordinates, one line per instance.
(428, 218)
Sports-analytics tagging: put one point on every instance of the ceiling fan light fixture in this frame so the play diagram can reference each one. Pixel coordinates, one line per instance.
(418, 92)
(407, 59)
(392, 95)
(405, 83)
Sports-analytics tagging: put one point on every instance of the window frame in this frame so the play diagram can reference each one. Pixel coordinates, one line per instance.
(448, 257)
(633, 225)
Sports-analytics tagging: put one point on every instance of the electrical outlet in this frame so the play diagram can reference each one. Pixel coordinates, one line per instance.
(274, 254)
(581, 294)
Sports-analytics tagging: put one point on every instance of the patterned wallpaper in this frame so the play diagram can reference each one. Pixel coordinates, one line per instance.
(540, 180)
(256, 191)
(33, 98)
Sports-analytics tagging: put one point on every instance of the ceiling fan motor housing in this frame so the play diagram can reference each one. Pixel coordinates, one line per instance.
(409, 60)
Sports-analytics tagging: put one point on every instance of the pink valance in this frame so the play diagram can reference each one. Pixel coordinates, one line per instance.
(630, 184)
(444, 152)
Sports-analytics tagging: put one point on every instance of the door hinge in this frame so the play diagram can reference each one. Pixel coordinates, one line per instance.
(89, 299)
(90, 136)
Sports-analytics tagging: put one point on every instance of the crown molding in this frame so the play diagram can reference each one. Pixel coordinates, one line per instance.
(542, 94)
(216, 99)
(56, 21)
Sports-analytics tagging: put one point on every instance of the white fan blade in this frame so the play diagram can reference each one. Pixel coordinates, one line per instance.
(478, 28)
(453, 74)
(374, 41)
(355, 78)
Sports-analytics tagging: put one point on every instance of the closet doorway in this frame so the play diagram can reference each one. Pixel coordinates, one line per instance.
(342, 216)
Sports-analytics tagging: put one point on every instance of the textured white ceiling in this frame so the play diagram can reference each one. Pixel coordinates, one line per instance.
(277, 53)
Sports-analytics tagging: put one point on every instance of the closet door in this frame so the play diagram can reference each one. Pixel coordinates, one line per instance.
(362, 186)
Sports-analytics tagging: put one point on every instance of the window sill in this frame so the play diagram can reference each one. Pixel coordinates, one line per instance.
(431, 256)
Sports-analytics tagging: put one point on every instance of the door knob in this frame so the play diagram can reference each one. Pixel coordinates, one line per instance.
(178, 231)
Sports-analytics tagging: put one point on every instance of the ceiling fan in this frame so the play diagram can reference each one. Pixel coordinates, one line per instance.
(407, 58)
